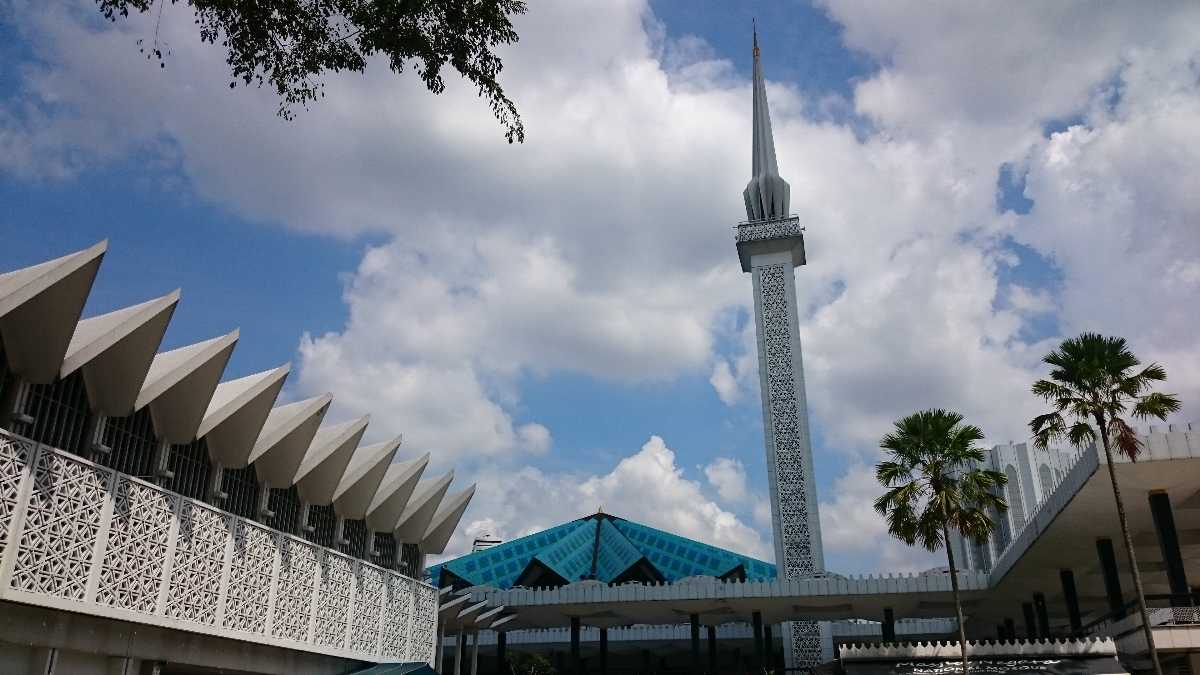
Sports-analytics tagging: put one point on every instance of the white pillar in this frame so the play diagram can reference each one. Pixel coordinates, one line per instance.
(475, 652)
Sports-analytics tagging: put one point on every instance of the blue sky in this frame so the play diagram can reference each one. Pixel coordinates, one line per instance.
(537, 315)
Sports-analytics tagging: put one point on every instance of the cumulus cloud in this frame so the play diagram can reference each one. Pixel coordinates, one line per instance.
(727, 475)
(854, 533)
(648, 487)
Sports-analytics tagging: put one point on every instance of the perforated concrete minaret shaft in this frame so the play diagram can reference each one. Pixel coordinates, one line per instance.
(770, 245)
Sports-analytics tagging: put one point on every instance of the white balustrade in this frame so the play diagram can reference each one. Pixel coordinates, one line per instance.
(80, 537)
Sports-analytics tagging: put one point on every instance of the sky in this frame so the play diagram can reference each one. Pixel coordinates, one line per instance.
(564, 322)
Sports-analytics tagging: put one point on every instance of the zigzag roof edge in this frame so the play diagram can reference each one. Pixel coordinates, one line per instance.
(394, 492)
(94, 335)
(328, 439)
(326, 460)
(286, 437)
(446, 520)
(362, 478)
(421, 508)
(40, 308)
(365, 459)
(170, 367)
(283, 419)
(23, 284)
(232, 395)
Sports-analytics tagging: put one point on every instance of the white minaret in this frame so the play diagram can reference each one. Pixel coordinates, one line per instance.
(770, 244)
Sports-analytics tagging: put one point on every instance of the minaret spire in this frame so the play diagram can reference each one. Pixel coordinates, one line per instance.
(767, 195)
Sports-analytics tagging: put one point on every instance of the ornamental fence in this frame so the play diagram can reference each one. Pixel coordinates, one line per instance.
(80, 537)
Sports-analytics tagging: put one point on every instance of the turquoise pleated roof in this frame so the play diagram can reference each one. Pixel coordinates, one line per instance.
(600, 547)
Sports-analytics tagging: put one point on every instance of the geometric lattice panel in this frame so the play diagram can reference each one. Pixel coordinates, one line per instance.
(421, 644)
(61, 525)
(248, 598)
(397, 609)
(333, 600)
(80, 521)
(14, 457)
(293, 601)
(787, 456)
(806, 643)
(368, 598)
(195, 587)
(132, 569)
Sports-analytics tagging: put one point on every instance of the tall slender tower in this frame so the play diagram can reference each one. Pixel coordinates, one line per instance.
(770, 245)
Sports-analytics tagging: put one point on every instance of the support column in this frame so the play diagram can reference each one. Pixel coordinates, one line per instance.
(12, 399)
(502, 652)
(768, 648)
(1168, 542)
(1071, 597)
(1112, 580)
(758, 639)
(45, 660)
(575, 646)
(1030, 624)
(712, 650)
(439, 657)
(603, 651)
(695, 620)
(216, 485)
(262, 510)
(1010, 628)
(123, 665)
(475, 652)
(93, 437)
(1043, 617)
(162, 464)
(889, 625)
(460, 650)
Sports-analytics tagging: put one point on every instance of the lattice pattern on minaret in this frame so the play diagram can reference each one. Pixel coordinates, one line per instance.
(788, 458)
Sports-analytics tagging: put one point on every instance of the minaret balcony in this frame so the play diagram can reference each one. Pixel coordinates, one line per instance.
(770, 235)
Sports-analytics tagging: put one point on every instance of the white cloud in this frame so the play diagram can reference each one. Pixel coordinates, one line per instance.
(728, 476)
(854, 531)
(647, 487)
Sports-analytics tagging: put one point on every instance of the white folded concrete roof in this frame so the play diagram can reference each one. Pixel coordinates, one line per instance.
(326, 460)
(39, 307)
(445, 520)
(236, 414)
(421, 508)
(180, 385)
(362, 479)
(115, 350)
(285, 438)
(389, 501)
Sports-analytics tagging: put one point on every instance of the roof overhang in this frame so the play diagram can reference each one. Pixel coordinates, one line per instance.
(390, 500)
(285, 439)
(362, 479)
(326, 460)
(115, 351)
(446, 520)
(236, 415)
(180, 386)
(421, 508)
(39, 308)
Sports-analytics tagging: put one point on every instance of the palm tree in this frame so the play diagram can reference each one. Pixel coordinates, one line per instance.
(1094, 380)
(935, 484)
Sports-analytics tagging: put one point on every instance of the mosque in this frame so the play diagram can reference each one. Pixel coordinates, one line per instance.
(159, 517)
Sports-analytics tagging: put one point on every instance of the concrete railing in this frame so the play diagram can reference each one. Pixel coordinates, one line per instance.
(80, 537)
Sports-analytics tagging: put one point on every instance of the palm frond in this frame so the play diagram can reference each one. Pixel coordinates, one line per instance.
(1125, 438)
(1156, 405)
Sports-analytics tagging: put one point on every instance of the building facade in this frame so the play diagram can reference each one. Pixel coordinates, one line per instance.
(137, 486)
